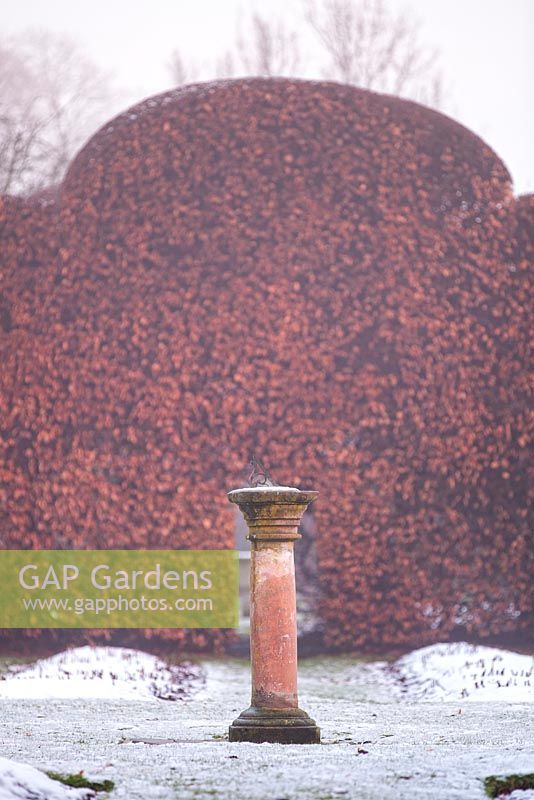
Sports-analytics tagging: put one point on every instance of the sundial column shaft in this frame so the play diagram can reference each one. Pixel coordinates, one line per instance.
(273, 625)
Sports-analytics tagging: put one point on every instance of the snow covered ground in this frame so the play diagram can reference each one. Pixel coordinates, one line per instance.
(379, 741)
(458, 672)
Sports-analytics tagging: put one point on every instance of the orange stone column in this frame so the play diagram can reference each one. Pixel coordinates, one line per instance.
(273, 514)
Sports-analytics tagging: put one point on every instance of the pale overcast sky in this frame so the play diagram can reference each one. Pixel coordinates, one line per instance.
(486, 47)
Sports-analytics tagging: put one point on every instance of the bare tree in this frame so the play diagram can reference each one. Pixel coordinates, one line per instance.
(182, 71)
(368, 46)
(20, 126)
(262, 47)
(52, 97)
(226, 65)
(267, 48)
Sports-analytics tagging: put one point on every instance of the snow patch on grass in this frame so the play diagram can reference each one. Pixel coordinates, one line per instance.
(22, 782)
(101, 672)
(465, 672)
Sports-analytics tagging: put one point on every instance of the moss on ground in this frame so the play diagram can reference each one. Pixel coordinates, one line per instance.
(496, 786)
(79, 781)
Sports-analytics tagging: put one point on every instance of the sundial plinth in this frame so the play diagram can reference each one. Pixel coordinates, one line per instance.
(273, 514)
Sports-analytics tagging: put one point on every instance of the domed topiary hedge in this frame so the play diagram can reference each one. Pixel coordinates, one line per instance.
(333, 279)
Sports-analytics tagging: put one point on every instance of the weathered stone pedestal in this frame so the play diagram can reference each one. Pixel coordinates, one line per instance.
(273, 514)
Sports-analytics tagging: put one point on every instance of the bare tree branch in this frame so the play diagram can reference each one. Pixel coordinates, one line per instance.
(225, 66)
(365, 44)
(267, 48)
(263, 47)
(52, 97)
(182, 72)
(369, 47)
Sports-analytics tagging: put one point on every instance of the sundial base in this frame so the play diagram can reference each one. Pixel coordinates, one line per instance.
(281, 726)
